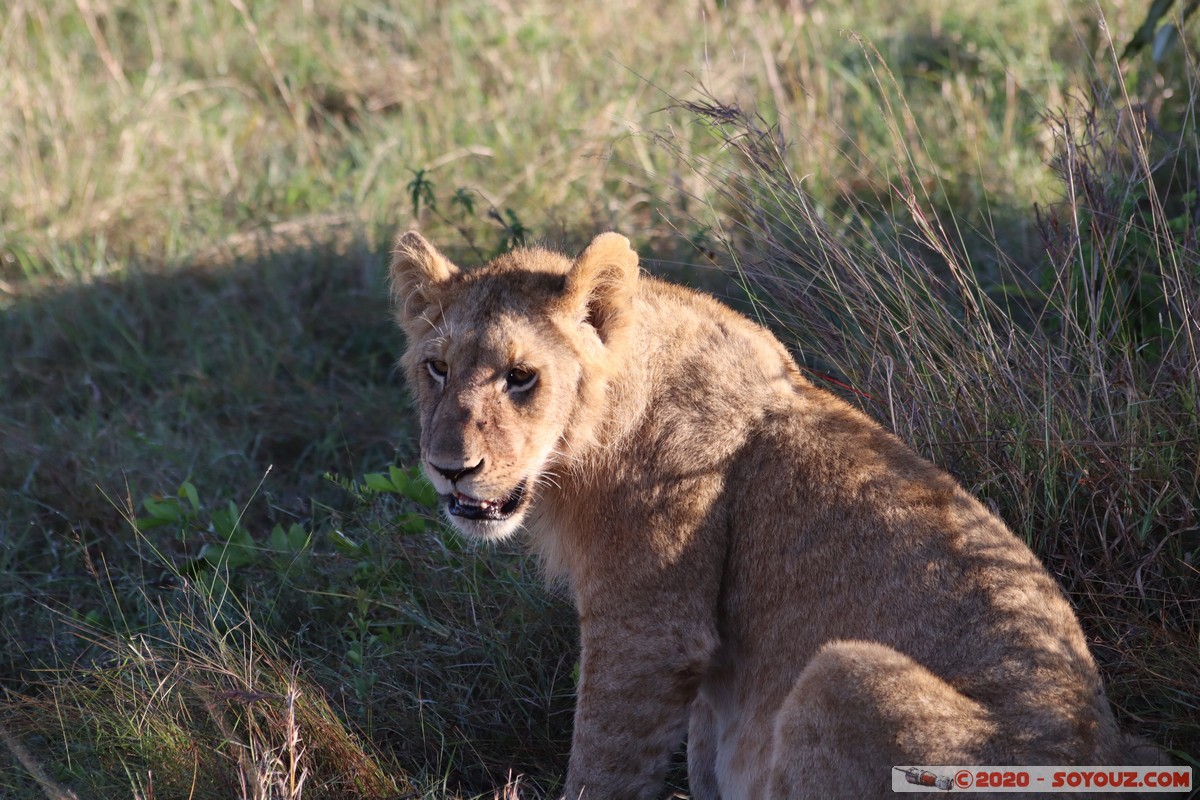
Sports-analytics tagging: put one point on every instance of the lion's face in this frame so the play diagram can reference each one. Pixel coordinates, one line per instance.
(505, 363)
(493, 403)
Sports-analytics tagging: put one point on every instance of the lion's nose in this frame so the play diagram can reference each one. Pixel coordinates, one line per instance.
(454, 474)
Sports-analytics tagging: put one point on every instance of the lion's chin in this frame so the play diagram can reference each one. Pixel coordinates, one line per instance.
(486, 529)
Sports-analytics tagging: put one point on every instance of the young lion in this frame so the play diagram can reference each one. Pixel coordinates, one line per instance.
(754, 562)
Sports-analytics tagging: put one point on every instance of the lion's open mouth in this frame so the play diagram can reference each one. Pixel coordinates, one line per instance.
(461, 505)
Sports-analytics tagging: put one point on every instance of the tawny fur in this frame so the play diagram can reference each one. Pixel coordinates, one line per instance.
(756, 564)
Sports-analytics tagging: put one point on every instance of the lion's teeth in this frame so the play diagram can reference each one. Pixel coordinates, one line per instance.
(471, 501)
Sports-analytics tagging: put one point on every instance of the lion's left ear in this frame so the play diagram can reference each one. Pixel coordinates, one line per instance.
(418, 270)
(601, 284)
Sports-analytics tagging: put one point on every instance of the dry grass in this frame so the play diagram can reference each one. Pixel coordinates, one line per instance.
(192, 708)
(146, 134)
(1063, 389)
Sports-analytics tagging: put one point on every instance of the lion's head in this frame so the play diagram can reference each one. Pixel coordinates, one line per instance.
(510, 365)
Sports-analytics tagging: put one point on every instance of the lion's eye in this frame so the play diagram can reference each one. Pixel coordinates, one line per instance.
(521, 378)
(437, 369)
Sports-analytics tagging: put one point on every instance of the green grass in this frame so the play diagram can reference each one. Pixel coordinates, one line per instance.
(211, 582)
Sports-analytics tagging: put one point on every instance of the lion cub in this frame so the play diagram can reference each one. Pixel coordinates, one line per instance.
(756, 564)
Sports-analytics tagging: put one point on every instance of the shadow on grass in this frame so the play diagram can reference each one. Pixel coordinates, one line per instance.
(251, 381)
(134, 384)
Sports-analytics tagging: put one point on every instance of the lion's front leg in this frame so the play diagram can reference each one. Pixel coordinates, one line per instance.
(702, 752)
(637, 682)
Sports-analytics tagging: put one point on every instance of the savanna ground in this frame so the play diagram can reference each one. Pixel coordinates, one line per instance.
(219, 575)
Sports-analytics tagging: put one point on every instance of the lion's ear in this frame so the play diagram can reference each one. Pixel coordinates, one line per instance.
(601, 284)
(417, 270)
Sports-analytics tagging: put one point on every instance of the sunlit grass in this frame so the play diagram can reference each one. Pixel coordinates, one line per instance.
(1061, 383)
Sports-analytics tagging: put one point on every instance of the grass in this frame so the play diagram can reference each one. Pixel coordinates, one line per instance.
(213, 583)
(139, 133)
(1065, 393)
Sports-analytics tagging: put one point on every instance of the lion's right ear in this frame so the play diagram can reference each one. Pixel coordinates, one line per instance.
(418, 270)
(600, 286)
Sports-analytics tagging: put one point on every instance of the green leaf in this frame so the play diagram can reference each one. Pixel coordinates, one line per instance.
(420, 490)
(344, 544)
(165, 510)
(277, 540)
(225, 521)
(400, 479)
(239, 551)
(193, 497)
(378, 482)
(298, 538)
(240, 557)
(241, 538)
(222, 524)
(463, 199)
(420, 189)
(413, 523)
